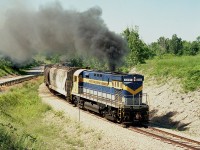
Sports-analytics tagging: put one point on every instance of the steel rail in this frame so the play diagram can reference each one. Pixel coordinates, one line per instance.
(177, 136)
(145, 131)
(167, 139)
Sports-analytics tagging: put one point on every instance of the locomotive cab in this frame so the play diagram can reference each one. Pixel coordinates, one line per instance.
(77, 81)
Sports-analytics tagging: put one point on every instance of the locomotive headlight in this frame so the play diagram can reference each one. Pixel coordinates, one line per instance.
(134, 79)
(123, 100)
(138, 116)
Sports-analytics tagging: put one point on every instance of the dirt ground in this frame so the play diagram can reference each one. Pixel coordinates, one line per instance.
(173, 108)
(113, 137)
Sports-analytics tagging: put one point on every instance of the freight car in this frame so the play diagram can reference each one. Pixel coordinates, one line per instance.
(116, 96)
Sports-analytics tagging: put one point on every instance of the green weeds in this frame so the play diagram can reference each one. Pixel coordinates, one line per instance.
(20, 107)
(185, 68)
(27, 123)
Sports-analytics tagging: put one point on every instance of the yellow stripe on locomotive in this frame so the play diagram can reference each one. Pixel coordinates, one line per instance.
(121, 88)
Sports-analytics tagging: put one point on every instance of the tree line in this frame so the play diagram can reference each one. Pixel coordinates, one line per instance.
(139, 51)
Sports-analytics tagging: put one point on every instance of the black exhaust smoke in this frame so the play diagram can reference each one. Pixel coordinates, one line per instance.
(54, 29)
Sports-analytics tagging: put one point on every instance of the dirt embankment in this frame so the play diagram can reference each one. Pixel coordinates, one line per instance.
(173, 108)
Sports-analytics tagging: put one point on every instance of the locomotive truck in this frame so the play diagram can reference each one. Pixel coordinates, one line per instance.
(115, 96)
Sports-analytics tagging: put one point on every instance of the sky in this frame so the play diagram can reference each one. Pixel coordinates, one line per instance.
(155, 18)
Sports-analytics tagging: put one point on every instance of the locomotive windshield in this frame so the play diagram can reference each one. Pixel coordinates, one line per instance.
(132, 90)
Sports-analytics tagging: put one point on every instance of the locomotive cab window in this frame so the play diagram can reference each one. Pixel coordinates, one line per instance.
(87, 75)
(116, 84)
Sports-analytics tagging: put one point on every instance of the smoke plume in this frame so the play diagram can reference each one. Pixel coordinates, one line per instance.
(53, 29)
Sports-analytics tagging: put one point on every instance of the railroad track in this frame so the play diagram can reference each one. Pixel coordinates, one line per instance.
(155, 133)
(12, 81)
(158, 134)
(168, 137)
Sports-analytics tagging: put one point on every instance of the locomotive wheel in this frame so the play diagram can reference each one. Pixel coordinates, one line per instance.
(119, 120)
(103, 113)
(52, 91)
(75, 101)
(125, 125)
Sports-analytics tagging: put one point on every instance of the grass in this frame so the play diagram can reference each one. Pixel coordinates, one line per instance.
(7, 69)
(27, 123)
(185, 68)
(20, 108)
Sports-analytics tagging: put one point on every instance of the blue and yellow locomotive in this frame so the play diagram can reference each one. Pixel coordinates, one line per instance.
(116, 96)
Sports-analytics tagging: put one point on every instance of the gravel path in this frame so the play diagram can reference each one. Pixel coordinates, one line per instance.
(114, 137)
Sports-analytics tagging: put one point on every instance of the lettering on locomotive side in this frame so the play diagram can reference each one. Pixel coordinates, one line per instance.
(138, 79)
(134, 79)
(97, 82)
(128, 80)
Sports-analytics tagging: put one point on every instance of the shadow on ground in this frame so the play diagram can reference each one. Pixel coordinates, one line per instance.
(165, 121)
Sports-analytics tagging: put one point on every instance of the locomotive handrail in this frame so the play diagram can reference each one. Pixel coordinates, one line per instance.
(98, 96)
(140, 99)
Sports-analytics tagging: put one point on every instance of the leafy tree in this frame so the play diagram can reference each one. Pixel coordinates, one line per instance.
(190, 48)
(138, 50)
(160, 47)
(176, 45)
(194, 48)
(76, 62)
(155, 49)
(186, 47)
(164, 45)
(198, 39)
(54, 58)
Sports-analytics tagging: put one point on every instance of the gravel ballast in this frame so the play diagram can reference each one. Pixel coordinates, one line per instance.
(113, 136)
